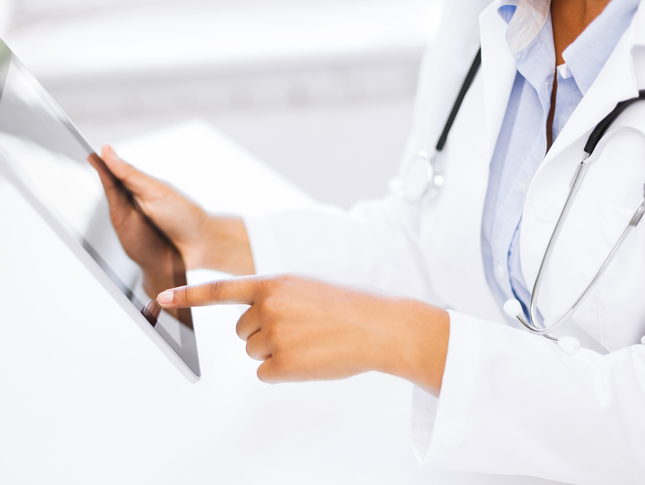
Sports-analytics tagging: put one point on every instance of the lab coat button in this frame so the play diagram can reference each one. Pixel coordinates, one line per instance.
(547, 208)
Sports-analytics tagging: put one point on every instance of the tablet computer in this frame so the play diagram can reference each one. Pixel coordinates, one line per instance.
(45, 157)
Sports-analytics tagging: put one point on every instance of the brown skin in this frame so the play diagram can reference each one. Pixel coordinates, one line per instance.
(305, 329)
(300, 328)
(570, 18)
(211, 242)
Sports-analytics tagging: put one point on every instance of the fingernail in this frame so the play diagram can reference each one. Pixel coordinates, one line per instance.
(166, 297)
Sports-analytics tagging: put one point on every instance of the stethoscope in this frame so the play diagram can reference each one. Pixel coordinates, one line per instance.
(423, 175)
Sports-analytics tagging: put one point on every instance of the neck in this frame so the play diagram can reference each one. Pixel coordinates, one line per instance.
(570, 18)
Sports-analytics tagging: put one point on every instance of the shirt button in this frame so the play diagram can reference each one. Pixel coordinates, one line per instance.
(547, 207)
(523, 186)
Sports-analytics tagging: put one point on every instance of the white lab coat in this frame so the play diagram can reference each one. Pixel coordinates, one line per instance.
(511, 403)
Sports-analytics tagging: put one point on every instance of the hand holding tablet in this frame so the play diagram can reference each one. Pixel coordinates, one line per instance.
(45, 157)
(213, 242)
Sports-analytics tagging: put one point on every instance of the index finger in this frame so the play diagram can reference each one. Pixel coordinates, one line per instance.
(243, 290)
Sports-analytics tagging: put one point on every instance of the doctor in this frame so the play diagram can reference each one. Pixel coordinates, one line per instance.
(489, 396)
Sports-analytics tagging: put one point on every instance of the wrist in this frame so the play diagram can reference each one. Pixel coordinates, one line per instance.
(226, 246)
(418, 347)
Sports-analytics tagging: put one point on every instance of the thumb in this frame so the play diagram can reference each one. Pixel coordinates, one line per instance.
(134, 180)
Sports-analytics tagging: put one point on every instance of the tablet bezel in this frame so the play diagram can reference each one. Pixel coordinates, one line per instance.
(31, 196)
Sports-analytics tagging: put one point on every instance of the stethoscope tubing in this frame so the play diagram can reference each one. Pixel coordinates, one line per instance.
(465, 87)
(435, 178)
(633, 222)
(424, 163)
(594, 138)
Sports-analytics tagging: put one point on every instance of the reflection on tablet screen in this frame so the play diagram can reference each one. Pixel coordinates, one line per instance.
(42, 147)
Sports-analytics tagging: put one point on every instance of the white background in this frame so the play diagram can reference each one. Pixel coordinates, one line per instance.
(320, 90)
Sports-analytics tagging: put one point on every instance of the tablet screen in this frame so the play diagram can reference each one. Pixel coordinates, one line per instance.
(42, 147)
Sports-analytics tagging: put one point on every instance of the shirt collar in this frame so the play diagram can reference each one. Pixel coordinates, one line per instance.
(587, 55)
(530, 37)
(525, 18)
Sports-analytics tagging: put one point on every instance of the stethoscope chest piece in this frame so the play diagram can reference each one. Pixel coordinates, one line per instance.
(421, 175)
(417, 176)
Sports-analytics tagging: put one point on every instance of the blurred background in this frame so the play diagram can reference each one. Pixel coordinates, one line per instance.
(321, 90)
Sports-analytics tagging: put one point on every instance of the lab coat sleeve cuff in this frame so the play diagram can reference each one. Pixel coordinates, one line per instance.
(367, 245)
(439, 424)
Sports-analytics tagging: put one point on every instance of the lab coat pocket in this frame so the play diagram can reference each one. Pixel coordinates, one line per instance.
(621, 292)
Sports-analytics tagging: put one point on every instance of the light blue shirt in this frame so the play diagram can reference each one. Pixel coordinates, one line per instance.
(522, 143)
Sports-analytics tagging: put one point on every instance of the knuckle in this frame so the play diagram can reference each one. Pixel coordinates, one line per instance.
(262, 374)
(244, 324)
(216, 287)
(271, 306)
(278, 282)
(271, 333)
(249, 350)
(285, 280)
(271, 284)
(255, 349)
(265, 374)
(239, 328)
(127, 170)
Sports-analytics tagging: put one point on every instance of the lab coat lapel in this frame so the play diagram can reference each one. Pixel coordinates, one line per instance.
(498, 71)
(615, 82)
(638, 27)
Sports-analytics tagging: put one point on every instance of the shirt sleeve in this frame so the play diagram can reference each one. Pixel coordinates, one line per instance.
(375, 243)
(513, 403)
